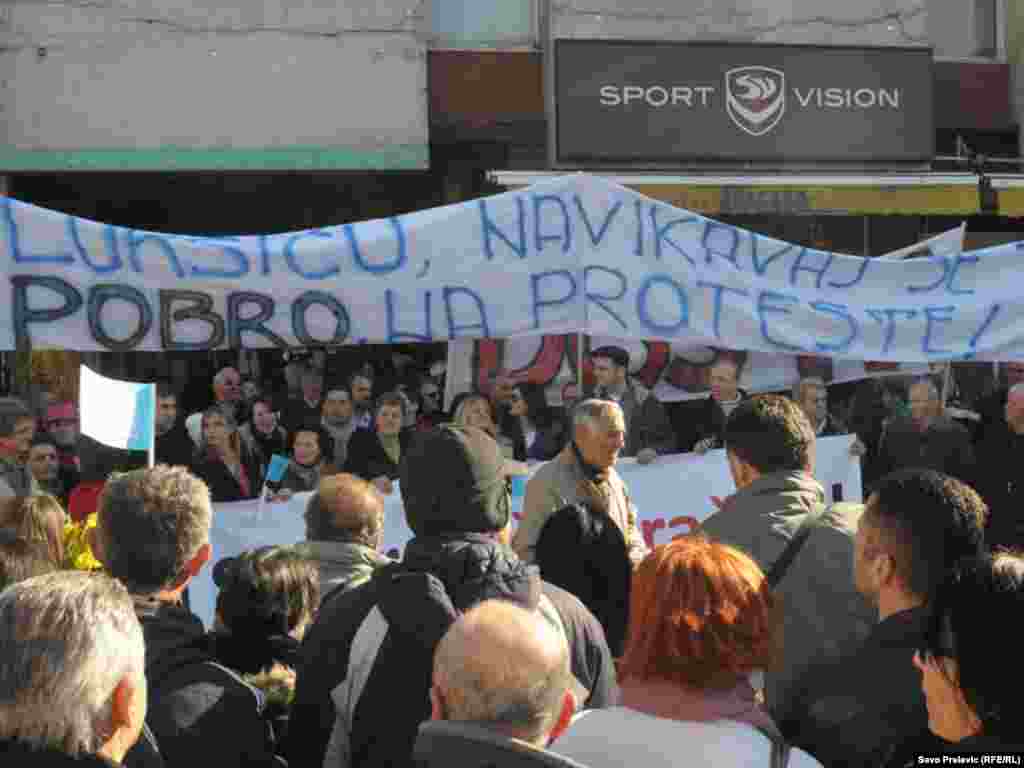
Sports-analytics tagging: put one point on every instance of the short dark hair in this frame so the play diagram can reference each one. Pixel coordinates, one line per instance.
(165, 389)
(43, 438)
(12, 410)
(928, 521)
(390, 398)
(324, 440)
(21, 559)
(617, 355)
(771, 433)
(978, 591)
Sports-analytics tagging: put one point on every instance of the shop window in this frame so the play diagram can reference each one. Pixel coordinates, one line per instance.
(483, 23)
(986, 23)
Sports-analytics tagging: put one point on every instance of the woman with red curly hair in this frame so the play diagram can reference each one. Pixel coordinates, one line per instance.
(700, 628)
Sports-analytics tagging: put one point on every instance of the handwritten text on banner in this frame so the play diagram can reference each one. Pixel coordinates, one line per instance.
(575, 254)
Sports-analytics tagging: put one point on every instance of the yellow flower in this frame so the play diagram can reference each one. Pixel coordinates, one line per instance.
(77, 554)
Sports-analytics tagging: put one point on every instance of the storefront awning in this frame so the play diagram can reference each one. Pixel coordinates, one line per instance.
(922, 194)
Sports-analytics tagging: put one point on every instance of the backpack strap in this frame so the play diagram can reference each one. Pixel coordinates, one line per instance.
(780, 749)
(793, 546)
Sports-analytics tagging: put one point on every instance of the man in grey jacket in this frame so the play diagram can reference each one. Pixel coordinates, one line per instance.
(770, 447)
(344, 528)
(17, 426)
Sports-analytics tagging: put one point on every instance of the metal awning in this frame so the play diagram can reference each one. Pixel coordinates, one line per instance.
(932, 194)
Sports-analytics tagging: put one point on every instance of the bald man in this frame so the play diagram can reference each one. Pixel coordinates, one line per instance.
(506, 669)
(928, 439)
(999, 480)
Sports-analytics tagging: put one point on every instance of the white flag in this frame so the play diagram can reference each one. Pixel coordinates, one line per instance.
(117, 413)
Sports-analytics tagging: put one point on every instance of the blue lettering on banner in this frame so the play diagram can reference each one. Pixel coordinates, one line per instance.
(819, 270)
(939, 261)
(934, 316)
(760, 267)
(99, 295)
(22, 314)
(539, 302)
(954, 270)
(264, 255)
(861, 271)
(843, 312)
(730, 254)
(110, 237)
(772, 303)
(638, 248)
(401, 255)
(661, 237)
(138, 239)
(14, 241)
(601, 298)
(719, 289)
(887, 319)
(200, 307)
(454, 328)
(972, 345)
(682, 301)
(227, 246)
(293, 260)
(597, 237)
(255, 324)
(491, 229)
(394, 334)
(565, 238)
(342, 324)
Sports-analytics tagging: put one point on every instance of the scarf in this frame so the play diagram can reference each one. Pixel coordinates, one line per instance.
(594, 485)
(671, 701)
(392, 447)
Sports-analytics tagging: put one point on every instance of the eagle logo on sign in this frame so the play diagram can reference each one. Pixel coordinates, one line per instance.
(755, 98)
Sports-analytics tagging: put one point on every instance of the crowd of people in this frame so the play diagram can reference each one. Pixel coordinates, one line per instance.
(790, 628)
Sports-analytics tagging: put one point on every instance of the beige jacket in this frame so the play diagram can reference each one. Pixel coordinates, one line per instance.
(555, 485)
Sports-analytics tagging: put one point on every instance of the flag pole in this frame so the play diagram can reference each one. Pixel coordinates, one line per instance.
(579, 366)
(152, 428)
(947, 382)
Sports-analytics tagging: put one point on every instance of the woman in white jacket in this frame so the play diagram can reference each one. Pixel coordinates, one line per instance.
(701, 628)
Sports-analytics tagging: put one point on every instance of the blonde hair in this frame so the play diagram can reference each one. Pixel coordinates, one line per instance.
(39, 518)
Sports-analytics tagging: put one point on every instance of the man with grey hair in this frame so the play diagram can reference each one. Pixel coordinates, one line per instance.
(17, 427)
(344, 531)
(929, 438)
(153, 534)
(72, 672)
(505, 669)
(811, 394)
(999, 480)
(305, 409)
(583, 472)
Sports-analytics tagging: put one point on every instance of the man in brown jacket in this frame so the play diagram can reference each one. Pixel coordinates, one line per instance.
(583, 472)
(770, 447)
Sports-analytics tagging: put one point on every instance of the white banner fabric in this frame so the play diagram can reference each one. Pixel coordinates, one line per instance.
(576, 254)
(672, 496)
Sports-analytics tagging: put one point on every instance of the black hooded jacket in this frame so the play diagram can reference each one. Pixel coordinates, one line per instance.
(365, 667)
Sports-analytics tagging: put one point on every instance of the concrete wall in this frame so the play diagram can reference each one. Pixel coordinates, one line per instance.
(222, 74)
(823, 22)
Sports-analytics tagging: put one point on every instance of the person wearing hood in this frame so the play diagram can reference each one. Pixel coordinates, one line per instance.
(200, 712)
(344, 532)
(365, 668)
(769, 444)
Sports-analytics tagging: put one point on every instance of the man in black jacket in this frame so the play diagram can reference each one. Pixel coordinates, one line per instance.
(998, 478)
(173, 445)
(153, 532)
(868, 709)
(365, 667)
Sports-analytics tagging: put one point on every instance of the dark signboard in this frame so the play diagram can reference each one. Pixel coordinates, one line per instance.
(656, 103)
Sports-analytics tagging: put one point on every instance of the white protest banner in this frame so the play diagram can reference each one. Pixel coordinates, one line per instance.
(576, 254)
(944, 244)
(672, 495)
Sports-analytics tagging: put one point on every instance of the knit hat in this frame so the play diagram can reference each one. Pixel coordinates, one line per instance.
(453, 481)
